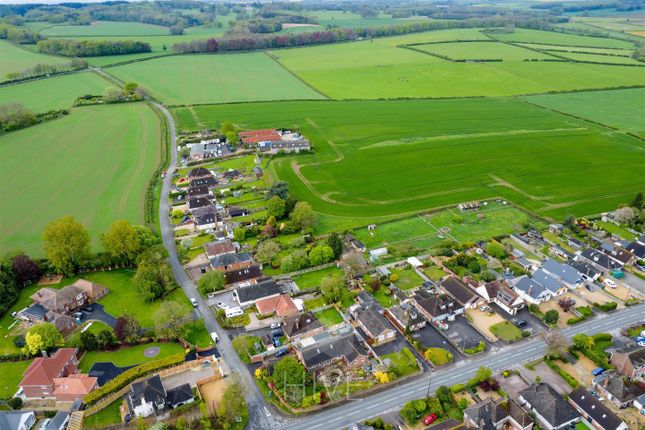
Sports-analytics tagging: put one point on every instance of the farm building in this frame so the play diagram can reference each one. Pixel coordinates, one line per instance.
(469, 206)
(208, 149)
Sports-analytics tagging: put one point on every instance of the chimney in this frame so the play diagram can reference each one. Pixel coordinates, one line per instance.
(44, 353)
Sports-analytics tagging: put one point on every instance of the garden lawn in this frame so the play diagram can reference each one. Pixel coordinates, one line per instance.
(435, 273)
(129, 355)
(418, 151)
(57, 92)
(329, 317)
(314, 303)
(195, 332)
(403, 360)
(16, 58)
(190, 79)
(617, 230)
(408, 279)
(107, 416)
(385, 300)
(97, 174)
(438, 356)
(310, 280)
(10, 376)
(506, 331)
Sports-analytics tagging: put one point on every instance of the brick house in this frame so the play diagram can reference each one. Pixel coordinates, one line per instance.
(345, 349)
(630, 362)
(376, 327)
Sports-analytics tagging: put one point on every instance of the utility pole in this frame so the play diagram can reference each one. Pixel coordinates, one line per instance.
(429, 383)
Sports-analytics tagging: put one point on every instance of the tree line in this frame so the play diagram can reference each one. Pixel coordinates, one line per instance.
(47, 69)
(92, 48)
(15, 116)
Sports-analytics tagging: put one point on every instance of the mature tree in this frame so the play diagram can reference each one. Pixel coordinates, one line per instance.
(233, 405)
(25, 269)
(8, 286)
(89, 342)
(42, 337)
(354, 264)
(113, 95)
(176, 30)
(583, 342)
(127, 329)
(303, 216)
(556, 342)
(280, 189)
(336, 243)
(146, 237)
(496, 250)
(267, 251)
(289, 371)
(624, 215)
(269, 229)
(409, 413)
(169, 319)
(276, 207)
(298, 260)
(227, 126)
(154, 277)
(121, 241)
(66, 244)
(637, 202)
(289, 203)
(488, 276)
(106, 339)
(320, 254)
(331, 287)
(474, 266)
(211, 281)
(130, 87)
(239, 234)
(551, 317)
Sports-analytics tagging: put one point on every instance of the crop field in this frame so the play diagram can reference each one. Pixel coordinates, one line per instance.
(105, 28)
(190, 79)
(623, 109)
(15, 59)
(380, 159)
(385, 71)
(58, 92)
(93, 164)
(549, 37)
(450, 35)
(599, 58)
(580, 49)
(346, 19)
(482, 51)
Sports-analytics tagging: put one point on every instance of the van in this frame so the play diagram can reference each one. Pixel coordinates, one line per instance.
(214, 337)
(193, 302)
(233, 312)
(608, 282)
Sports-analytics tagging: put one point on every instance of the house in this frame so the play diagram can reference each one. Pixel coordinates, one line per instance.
(618, 254)
(235, 212)
(459, 291)
(208, 149)
(257, 136)
(246, 276)
(435, 307)
(208, 182)
(198, 202)
(564, 273)
(232, 175)
(404, 317)
(70, 297)
(556, 228)
(497, 415)
(286, 146)
(219, 247)
(499, 292)
(630, 362)
(588, 271)
(257, 171)
(74, 387)
(57, 422)
(17, 420)
(375, 326)
(198, 173)
(146, 397)
(574, 243)
(196, 192)
(594, 412)
(616, 388)
(231, 261)
(345, 349)
(37, 314)
(561, 252)
(354, 243)
(206, 218)
(550, 409)
(468, 206)
(637, 247)
(281, 305)
(639, 404)
(247, 295)
(302, 326)
(553, 285)
(178, 396)
(600, 260)
(531, 291)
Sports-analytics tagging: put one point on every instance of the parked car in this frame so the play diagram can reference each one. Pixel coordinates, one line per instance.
(88, 309)
(214, 337)
(608, 282)
(429, 419)
(222, 305)
(485, 308)
(276, 325)
(521, 323)
(276, 342)
(282, 352)
(598, 371)
(277, 333)
(193, 302)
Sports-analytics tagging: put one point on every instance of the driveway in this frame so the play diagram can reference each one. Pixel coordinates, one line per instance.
(225, 297)
(462, 334)
(190, 376)
(105, 372)
(397, 345)
(98, 314)
(533, 323)
(430, 338)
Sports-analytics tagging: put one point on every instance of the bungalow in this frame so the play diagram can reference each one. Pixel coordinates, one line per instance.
(587, 271)
(565, 273)
(550, 409)
(286, 146)
(497, 414)
(530, 291)
(232, 261)
(281, 305)
(354, 243)
(208, 182)
(599, 259)
(302, 326)
(459, 291)
(405, 317)
(196, 192)
(619, 254)
(246, 276)
(435, 307)
(575, 243)
(377, 329)
(345, 349)
(637, 247)
(247, 295)
(594, 412)
(219, 247)
(17, 420)
(232, 175)
(499, 292)
(561, 252)
(630, 362)
(549, 282)
(235, 212)
(198, 173)
(616, 388)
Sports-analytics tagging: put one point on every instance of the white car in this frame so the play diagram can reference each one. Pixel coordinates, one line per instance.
(222, 305)
(608, 282)
(214, 337)
(193, 302)
(276, 325)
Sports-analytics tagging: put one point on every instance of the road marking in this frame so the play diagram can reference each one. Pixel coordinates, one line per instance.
(266, 411)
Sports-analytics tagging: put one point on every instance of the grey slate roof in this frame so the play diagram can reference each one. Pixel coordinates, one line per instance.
(36, 311)
(346, 347)
(300, 324)
(181, 394)
(593, 407)
(489, 413)
(58, 421)
(150, 390)
(224, 260)
(529, 287)
(546, 280)
(564, 272)
(373, 321)
(205, 215)
(11, 419)
(198, 202)
(600, 259)
(208, 182)
(265, 288)
(199, 191)
(549, 404)
(242, 275)
(585, 268)
(458, 290)
(637, 249)
(618, 386)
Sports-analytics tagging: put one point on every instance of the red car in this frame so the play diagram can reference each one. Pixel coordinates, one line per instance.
(429, 419)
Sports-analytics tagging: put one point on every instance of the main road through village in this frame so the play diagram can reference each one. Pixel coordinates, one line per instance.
(264, 416)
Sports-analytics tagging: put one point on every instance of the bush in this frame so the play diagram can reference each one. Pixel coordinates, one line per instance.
(438, 356)
(607, 306)
(631, 302)
(566, 376)
(474, 350)
(584, 311)
(458, 388)
(576, 320)
(526, 333)
(394, 277)
(15, 403)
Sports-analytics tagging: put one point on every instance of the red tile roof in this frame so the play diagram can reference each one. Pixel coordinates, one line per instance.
(77, 384)
(43, 370)
(255, 136)
(282, 305)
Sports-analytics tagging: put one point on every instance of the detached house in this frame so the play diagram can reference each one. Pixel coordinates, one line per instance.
(461, 293)
(281, 305)
(594, 412)
(345, 349)
(565, 273)
(630, 362)
(248, 295)
(231, 261)
(550, 409)
(404, 316)
(206, 218)
(499, 292)
(435, 307)
(208, 182)
(375, 326)
(17, 420)
(599, 259)
(617, 388)
(213, 249)
(246, 276)
(198, 173)
(499, 414)
(531, 291)
(302, 326)
(150, 396)
(549, 282)
(587, 271)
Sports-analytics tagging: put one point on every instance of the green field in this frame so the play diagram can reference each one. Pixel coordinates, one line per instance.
(15, 58)
(558, 48)
(58, 92)
(536, 36)
(105, 28)
(599, 58)
(623, 109)
(190, 79)
(93, 164)
(129, 356)
(482, 51)
(10, 377)
(379, 159)
(385, 71)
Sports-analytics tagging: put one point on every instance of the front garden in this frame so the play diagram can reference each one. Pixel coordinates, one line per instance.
(506, 331)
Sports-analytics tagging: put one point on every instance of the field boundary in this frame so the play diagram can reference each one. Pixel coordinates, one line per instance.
(267, 53)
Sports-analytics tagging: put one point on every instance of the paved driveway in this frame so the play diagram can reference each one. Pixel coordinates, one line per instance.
(533, 323)
(463, 334)
(225, 297)
(430, 338)
(98, 314)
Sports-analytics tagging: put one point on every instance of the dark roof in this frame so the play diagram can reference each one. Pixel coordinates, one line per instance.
(224, 260)
(593, 407)
(301, 324)
(449, 424)
(235, 212)
(549, 404)
(585, 268)
(205, 215)
(106, 371)
(638, 249)
(458, 290)
(180, 394)
(150, 390)
(265, 288)
(242, 275)
(198, 172)
(346, 347)
(198, 191)
(434, 305)
(618, 386)
(36, 311)
(208, 182)
(58, 421)
(373, 321)
(406, 314)
(232, 174)
(489, 413)
(600, 259)
(619, 254)
(198, 202)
